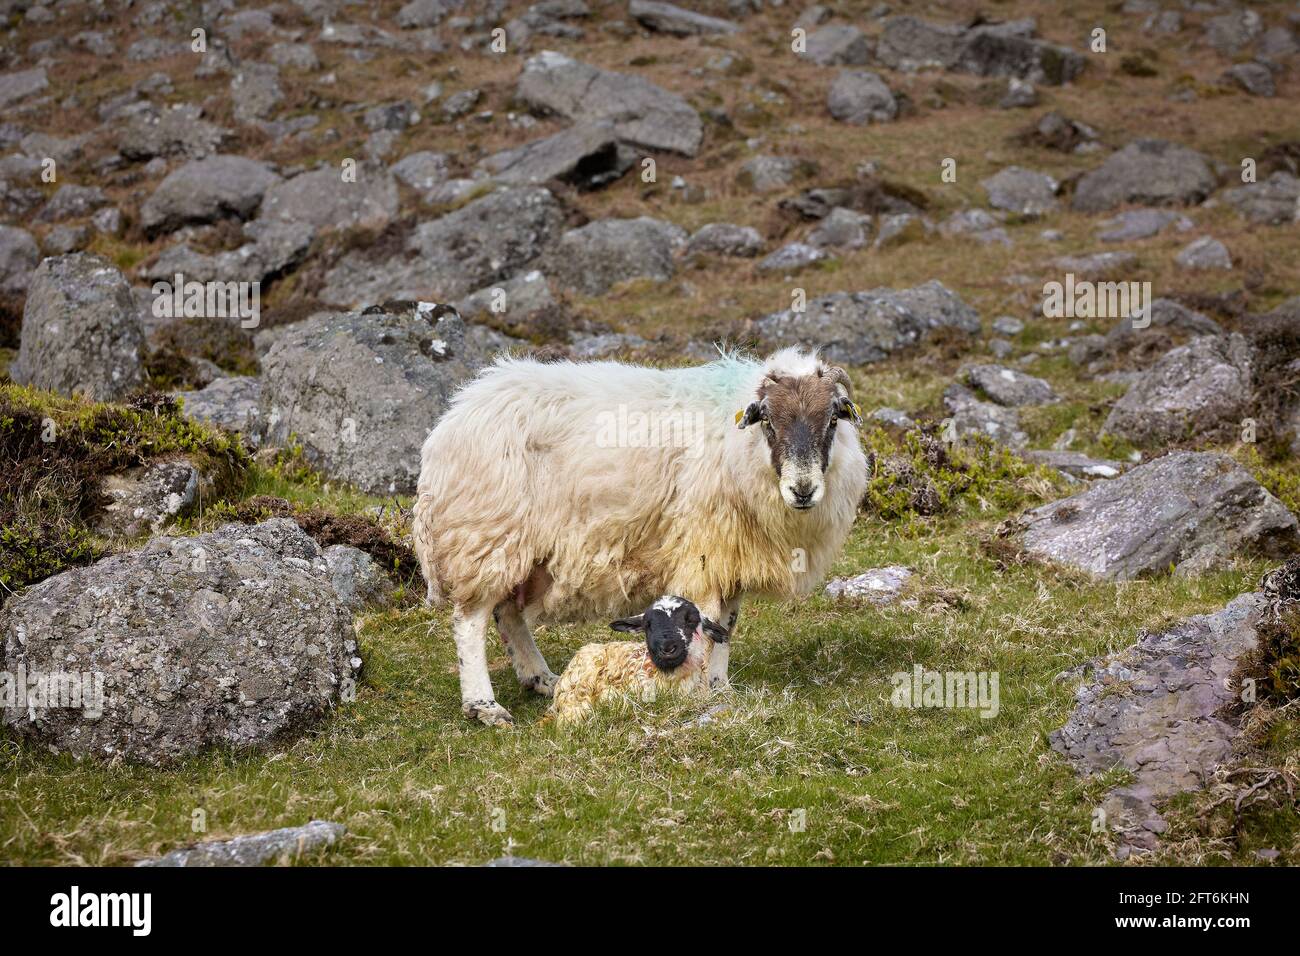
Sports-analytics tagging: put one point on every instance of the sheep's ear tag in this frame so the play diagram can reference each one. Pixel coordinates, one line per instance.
(857, 412)
(739, 415)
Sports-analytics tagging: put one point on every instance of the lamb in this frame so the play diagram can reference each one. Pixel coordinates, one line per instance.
(673, 656)
(569, 490)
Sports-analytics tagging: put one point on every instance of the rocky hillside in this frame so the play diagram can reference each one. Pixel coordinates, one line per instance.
(248, 254)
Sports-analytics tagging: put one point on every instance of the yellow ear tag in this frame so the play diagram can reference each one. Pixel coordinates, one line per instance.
(857, 412)
(739, 415)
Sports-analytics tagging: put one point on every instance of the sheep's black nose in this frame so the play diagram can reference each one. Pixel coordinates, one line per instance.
(668, 655)
(803, 494)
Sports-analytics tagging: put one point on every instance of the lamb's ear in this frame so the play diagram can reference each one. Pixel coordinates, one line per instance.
(753, 413)
(845, 407)
(716, 631)
(629, 625)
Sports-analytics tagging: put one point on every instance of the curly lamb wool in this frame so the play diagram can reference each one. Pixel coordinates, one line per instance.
(673, 658)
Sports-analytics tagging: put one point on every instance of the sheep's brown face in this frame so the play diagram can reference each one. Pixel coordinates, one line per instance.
(669, 626)
(799, 416)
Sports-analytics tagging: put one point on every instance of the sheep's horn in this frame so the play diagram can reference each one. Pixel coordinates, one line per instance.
(840, 377)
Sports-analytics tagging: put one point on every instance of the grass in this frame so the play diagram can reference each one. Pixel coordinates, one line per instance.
(811, 729)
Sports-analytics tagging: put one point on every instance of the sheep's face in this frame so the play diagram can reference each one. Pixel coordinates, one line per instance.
(673, 627)
(799, 416)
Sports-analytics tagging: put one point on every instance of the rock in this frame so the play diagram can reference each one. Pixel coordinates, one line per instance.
(1021, 191)
(1096, 264)
(970, 416)
(62, 240)
(1020, 95)
(726, 239)
(1231, 33)
(21, 85)
(297, 56)
(1277, 43)
(586, 155)
(1165, 314)
(148, 498)
(838, 46)
(977, 224)
(900, 228)
(1200, 388)
(521, 296)
(359, 392)
(643, 114)
(458, 104)
(1056, 131)
(1008, 325)
(1149, 171)
(255, 91)
(205, 190)
(357, 578)
(80, 334)
(607, 345)
(790, 258)
(231, 403)
(322, 200)
(1255, 78)
(1075, 464)
(1009, 387)
(858, 328)
(1204, 253)
(894, 418)
(233, 638)
(72, 202)
(879, 586)
(673, 20)
(842, 229)
(765, 174)
(18, 257)
(1190, 511)
(177, 130)
(1273, 202)
(422, 171)
(860, 97)
(599, 255)
(419, 14)
(1132, 224)
(910, 44)
(1006, 49)
(280, 846)
(485, 241)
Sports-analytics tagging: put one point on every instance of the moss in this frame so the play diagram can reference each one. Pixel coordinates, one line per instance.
(58, 450)
(918, 475)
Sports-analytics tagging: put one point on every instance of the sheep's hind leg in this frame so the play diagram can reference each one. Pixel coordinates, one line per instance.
(530, 665)
(469, 627)
(724, 612)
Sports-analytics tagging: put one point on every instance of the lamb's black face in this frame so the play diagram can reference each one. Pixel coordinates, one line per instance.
(669, 626)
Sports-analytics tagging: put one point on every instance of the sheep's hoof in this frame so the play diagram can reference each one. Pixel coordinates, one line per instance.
(543, 684)
(488, 712)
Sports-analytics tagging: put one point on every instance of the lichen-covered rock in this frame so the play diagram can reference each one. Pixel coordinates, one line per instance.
(148, 498)
(595, 257)
(1190, 511)
(18, 257)
(968, 415)
(357, 578)
(726, 239)
(205, 190)
(1011, 387)
(1149, 171)
(587, 155)
(860, 97)
(80, 333)
(255, 849)
(1273, 202)
(1197, 389)
(879, 586)
(230, 402)
(234, 638)
(323, 200)
(857, 328)
(360, 392)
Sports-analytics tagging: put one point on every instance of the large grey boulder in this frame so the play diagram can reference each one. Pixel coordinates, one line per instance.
(857, 328)
(256, 849)
(1231, 33)
(586, 155)
(234, 638)
(1021, 191)
(673, 20)
(419, 14)
(231, 403)
(1201, 388)
(860, 97)
(18, 257)
(323, 200)
(1006, 49)
(80, 333)
(597, 256)
(1165, 314)
(1160, 709)
(1149, 171)
(255, 91)
(1190, 511)
(178, 130)
(205, 190)
(1272, 202)
(643, 114)
(150, 497)
(360, 392)
(488, 240)
(838, 45)
(909, 44)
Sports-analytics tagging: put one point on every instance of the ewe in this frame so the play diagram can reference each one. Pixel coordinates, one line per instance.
(673, 656)
(567, 491)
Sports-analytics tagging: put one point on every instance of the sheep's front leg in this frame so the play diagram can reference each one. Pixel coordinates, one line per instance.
(469, 628)
(530, 666)
(724, 612)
